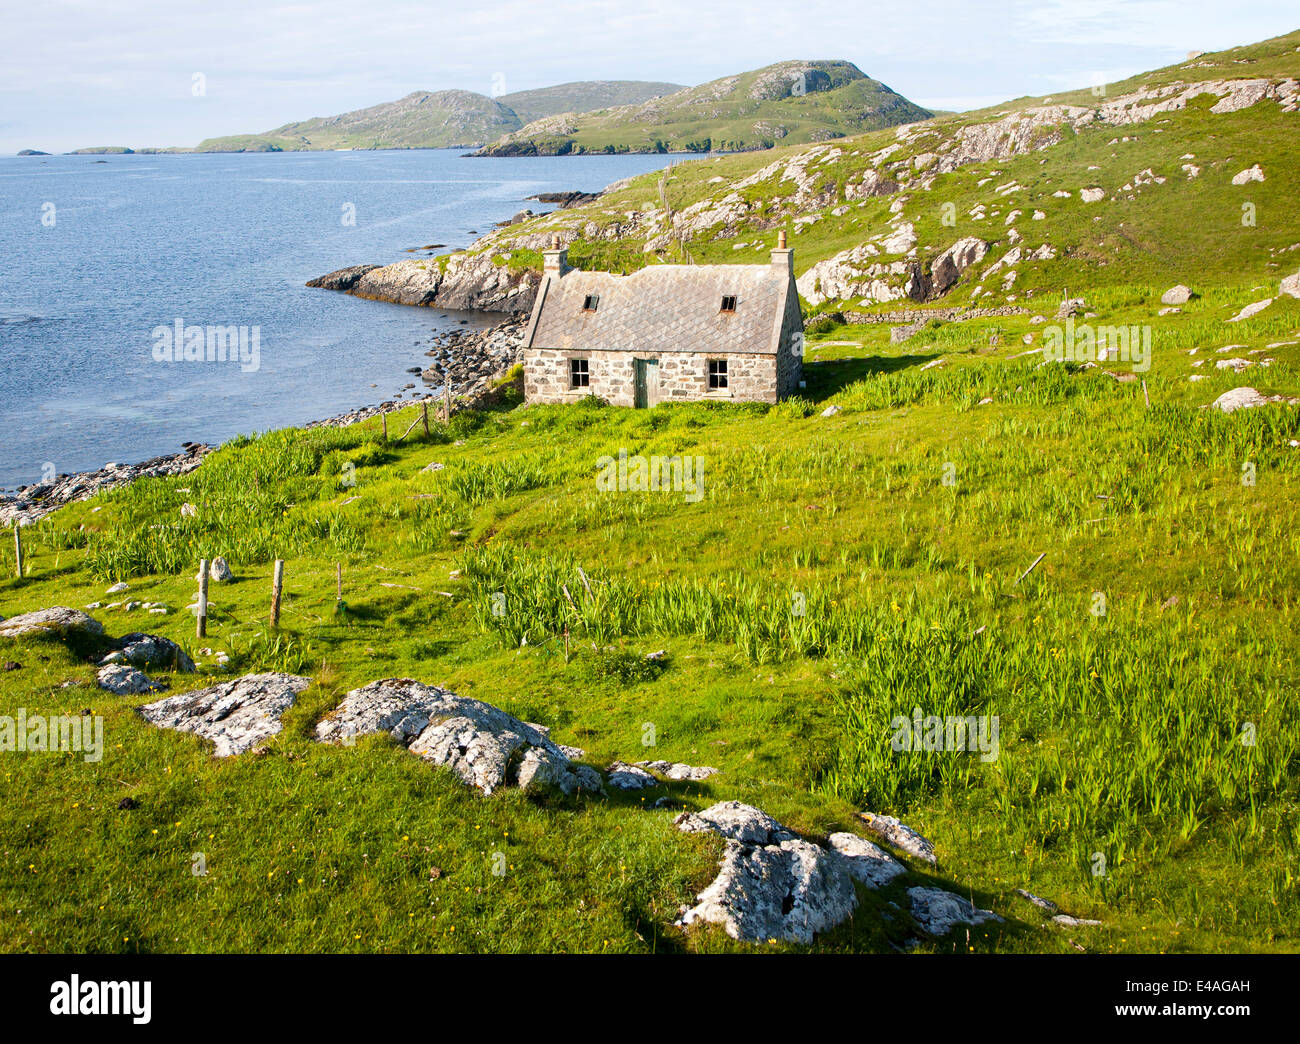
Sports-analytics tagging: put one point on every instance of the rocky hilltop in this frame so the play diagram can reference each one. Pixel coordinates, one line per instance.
(788, 102)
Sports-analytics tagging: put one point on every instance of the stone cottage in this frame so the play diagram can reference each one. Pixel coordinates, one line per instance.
(668, 333)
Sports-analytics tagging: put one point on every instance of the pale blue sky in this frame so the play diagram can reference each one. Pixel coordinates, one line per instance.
(101, 72)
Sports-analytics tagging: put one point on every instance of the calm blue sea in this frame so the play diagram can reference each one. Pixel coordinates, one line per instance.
(98, 255)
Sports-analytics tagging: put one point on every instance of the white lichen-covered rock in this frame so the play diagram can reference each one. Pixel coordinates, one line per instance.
(900, 835)
(150, 651)
(1290, 285)
(1250, 174)
(122, 680)
(787, 891)
(483, 745)
(235, 715)
(1238, 399)
(1176, 295)
(865, 862)
(1092, 195)
(1254, 308)
(56, 620)
(939, 912)
(736, 822)
(675, 770)
(218, 570)
(622, 776)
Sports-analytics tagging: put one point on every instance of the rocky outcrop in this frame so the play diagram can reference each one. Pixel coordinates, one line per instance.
(771, 885)
(34, 502)
(865, 862)
(235, 715)
(150, 652)
(484, 746)
(675, 770)
(58, 620)
(467, 282)
(1245, 398)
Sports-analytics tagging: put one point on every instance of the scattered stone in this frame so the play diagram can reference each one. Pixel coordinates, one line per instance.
(433, 465)
(1250, 174)
(189, 511)
(901, 836)
(118, 588)
(1042, 904)
(622, 776)
(866, 862)
(1067, 921)
(57, 620)
(1290, 285)
(1092, 195)
(122, 680)
(939, 912)
(486, 747)
(219, 570)
(1176, 295)
(677, 771)
(830, 411)
(126, 804)
(236, 715)
(12, 665)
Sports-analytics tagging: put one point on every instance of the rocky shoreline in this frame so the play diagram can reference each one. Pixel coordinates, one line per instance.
(470, 362)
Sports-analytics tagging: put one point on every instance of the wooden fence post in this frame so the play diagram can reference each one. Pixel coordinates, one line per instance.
(202, 614)
(424, 416)
(18, 548)
(338, 581)
(277, 585)
(446, 396)
(383, 418)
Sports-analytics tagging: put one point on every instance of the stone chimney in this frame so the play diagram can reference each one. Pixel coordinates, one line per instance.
(782, 255)
(555, 262)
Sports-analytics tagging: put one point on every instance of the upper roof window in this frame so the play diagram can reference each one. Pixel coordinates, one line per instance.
(729, 304)
(591, 303)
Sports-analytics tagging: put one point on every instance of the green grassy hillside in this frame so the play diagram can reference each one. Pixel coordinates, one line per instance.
(582, 96)
(787, 102)
(1144, 672)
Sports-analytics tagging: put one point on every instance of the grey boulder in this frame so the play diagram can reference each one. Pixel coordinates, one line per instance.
(939, 912)
(151, 652)
(122, 680)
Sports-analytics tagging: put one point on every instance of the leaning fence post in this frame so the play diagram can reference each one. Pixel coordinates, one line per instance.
(18, 548)
(338, 582)
(277, 585)
(424, 416)
(202, 613)
(383, 418)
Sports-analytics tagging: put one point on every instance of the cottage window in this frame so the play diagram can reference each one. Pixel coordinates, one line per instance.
(728, 304)
(579, 376)
(590, 304)
(717, 373)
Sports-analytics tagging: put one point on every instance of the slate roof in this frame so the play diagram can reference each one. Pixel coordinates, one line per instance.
(664, 308)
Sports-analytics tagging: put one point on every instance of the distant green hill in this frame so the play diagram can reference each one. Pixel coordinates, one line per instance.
(787, 103)
(437, 119)
(583, 96)
(421, 120)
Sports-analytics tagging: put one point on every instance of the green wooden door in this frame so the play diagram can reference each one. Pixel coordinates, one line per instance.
(645, 382)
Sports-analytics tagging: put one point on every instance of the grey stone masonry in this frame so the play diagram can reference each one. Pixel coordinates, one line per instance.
(677, 319)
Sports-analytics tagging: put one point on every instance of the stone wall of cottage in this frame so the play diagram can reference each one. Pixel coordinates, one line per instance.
(683, 376)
